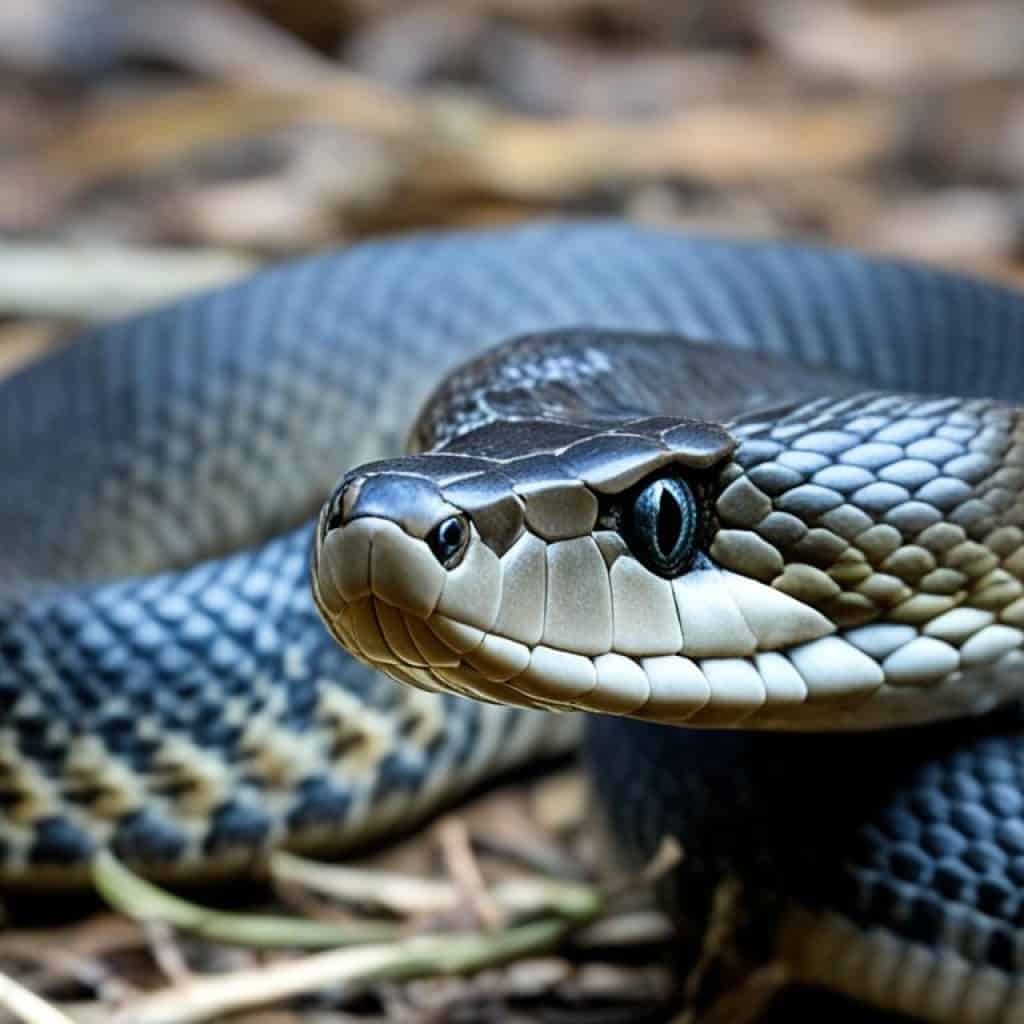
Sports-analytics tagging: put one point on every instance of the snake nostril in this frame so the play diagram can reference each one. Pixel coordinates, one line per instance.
(333, 518)
(341, 506)
(334, 513)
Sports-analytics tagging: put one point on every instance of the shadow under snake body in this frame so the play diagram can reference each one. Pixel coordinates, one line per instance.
(167, 688)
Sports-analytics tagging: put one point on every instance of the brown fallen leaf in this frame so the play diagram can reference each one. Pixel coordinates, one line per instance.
(453, 144)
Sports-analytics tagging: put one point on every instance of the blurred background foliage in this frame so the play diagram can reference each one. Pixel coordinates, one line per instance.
(237, 132)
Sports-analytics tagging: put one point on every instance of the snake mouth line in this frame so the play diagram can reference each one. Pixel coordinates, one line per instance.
(801, 688)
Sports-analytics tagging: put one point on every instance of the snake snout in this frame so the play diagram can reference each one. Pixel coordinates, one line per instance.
(388, 536)
(413, 503)
(395, 574)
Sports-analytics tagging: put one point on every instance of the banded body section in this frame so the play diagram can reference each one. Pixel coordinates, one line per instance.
(193, 729)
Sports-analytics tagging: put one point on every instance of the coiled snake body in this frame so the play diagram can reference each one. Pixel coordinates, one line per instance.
(814, 524)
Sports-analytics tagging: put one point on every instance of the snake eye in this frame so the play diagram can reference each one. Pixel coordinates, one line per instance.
(448, 540)
(661, 526)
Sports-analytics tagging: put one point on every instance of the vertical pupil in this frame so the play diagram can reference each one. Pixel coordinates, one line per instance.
(670, 521)
(660, 526)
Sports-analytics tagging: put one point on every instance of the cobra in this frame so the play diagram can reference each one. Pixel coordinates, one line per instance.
(748, 485)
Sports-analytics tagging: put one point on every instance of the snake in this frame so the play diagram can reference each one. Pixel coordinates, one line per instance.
(755, 507)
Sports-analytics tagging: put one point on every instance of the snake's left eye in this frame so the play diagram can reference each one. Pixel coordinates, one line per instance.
(448, 540)
(661, 526)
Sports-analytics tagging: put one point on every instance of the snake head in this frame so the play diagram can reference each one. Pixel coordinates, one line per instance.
(574, 577)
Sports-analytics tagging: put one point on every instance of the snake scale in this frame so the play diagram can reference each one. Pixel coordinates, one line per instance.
(710, 483)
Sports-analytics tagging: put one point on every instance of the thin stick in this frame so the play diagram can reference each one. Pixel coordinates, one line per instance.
(406, 895)
(143, 901)
(101, 282)
(211, 998)
(27, 1006)
(465, 873)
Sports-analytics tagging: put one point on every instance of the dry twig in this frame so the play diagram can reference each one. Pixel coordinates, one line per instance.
(101, 282)
(27, 1006)
(465, 872)
(143, 901)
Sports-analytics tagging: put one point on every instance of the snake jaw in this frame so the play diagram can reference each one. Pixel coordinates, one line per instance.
(546, 606)
(577, 624)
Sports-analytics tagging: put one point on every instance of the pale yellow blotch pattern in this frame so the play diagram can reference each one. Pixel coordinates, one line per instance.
(89, 764)
(362, 735)
(200, 777)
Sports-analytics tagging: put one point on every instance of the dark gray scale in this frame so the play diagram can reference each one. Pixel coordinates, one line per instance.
(144, 837)
(809, 501)
(774, 479)
(696, 443)
(510, 439)
(493, 506)
(928, 828)
(598, 378)
(238, 825)
(319, 803)
(414, 501)
(757, 450)
(611, 463)
(60, 843)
